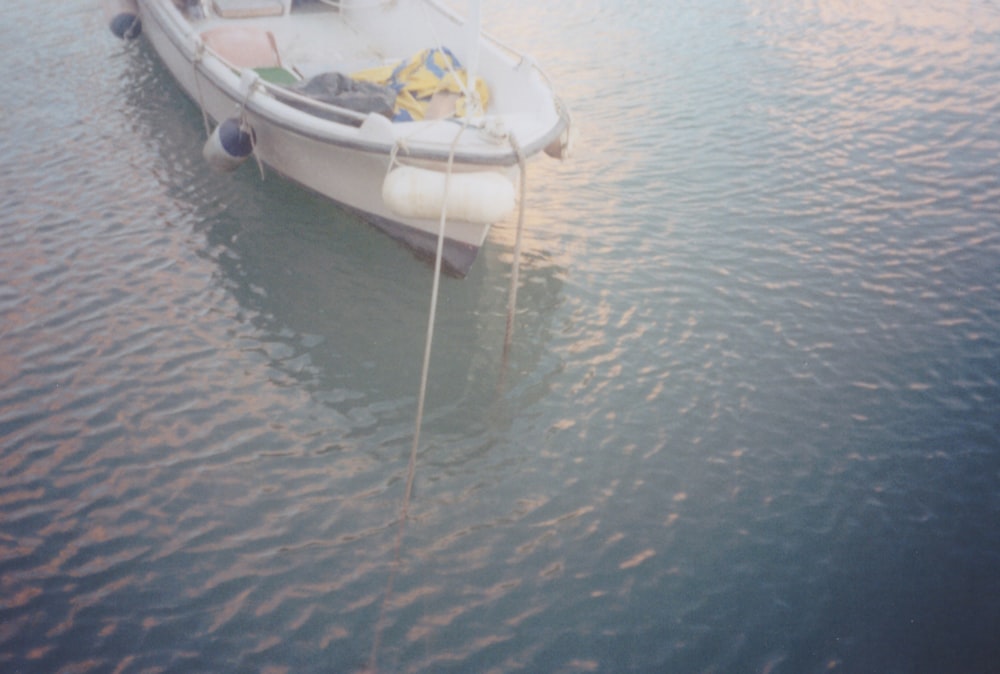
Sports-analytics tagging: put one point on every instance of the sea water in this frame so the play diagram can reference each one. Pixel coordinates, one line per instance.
(749, 422)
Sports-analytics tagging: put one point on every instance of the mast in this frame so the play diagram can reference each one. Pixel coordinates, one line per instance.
(474, 28)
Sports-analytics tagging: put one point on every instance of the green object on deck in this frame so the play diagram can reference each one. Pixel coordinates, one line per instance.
(277, 75)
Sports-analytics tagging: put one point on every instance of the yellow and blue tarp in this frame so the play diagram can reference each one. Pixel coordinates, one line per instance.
(417, 79)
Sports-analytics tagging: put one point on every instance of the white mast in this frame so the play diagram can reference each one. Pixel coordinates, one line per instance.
(474, 28)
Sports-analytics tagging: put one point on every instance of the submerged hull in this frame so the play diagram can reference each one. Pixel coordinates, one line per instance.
(348, 159)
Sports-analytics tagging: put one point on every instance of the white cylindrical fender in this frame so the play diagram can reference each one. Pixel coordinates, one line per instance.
(482, 197)
(228, 146)
(123, 18)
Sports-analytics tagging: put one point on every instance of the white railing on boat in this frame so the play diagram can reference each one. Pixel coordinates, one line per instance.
(520, 56)
(356, 4)
(278, 91)
(283, 93)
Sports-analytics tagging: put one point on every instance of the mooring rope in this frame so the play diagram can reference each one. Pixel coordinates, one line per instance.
(251, 86)
(199, 54)
(411, 470)
(516, 265)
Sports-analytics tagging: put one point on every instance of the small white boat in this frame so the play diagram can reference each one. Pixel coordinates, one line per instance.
(393, 108)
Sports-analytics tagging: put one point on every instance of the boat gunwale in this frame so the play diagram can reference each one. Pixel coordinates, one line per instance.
(226, 79)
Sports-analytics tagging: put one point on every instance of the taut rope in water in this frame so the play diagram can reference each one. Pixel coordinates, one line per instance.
(516, 266)
(411, 470)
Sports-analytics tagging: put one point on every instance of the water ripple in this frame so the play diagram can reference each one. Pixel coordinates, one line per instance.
(748, 420)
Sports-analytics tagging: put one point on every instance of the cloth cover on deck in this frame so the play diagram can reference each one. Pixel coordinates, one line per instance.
(418, 79)
(341, 90)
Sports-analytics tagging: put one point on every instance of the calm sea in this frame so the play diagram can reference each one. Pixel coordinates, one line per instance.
(750, 422)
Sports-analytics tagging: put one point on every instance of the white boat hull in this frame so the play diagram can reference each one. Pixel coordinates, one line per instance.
(347, 163)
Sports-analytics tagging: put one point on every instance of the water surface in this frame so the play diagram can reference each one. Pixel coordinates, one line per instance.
(749, 422)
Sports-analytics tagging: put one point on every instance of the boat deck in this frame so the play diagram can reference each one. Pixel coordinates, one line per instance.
(316, 38)
(307, 41)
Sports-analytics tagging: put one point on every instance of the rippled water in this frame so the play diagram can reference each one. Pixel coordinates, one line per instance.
(750, 422)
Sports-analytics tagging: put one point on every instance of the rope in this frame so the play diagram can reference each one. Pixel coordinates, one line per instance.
(199, 53)
(469, 88)
(516, 267)
(411, 469)
(245, 126)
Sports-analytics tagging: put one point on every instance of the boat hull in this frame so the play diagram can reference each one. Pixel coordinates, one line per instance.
(349, 170)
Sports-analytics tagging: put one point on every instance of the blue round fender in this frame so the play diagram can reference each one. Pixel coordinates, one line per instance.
(229, 145)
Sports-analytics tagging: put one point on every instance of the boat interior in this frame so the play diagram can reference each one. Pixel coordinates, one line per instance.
(291, 34)
(292, 41)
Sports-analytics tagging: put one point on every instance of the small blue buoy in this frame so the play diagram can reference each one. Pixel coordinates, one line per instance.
(123, 18)
(229, 145)
(126, 26)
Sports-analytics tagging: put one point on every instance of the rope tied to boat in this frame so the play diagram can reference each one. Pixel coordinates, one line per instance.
(250, 82)
(199, 55)
(522, 166)
(404, 511)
